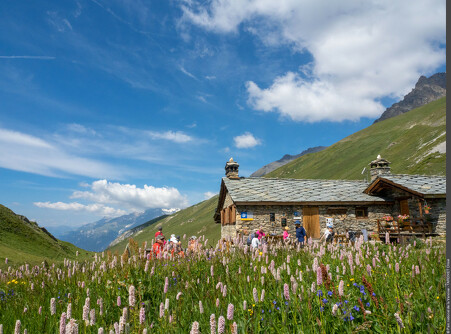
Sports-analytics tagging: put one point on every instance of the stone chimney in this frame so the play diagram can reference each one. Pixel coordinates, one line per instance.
(231, 169)
(379, 167)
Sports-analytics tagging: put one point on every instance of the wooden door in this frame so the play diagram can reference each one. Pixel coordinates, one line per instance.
(311, 221)
(404, 207)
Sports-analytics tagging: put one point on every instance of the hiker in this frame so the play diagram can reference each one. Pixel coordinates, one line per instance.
(250, 237)
(286, 235)
(328, 234)
(260, 234)
(255, 242)
(300, 232)
(193, 245)
(159, 232)
(158, 245)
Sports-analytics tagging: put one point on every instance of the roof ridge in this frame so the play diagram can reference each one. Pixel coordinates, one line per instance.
(423, 175)
(293, 179)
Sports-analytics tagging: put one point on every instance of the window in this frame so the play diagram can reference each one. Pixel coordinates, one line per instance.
(284, 222)
(272, 217)
(361, 212)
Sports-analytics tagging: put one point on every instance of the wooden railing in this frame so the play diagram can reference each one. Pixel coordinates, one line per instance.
(409, 228)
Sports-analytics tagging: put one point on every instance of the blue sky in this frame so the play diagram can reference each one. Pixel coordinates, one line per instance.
(110, 107)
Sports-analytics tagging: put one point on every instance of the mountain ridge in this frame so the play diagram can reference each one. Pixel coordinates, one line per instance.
(22, 240)
(426, 90)
(98, 235)
(284, 160)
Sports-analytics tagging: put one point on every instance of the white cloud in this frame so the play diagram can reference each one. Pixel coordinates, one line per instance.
(246, 140)
(187, 73)
(96, 208)
(27, 153)
(362, 51)
(209, 194)
(129, 195)
(175, 136)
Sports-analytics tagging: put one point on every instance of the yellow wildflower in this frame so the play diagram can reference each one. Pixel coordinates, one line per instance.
(260, 253)
(437, 297)
(352, 279)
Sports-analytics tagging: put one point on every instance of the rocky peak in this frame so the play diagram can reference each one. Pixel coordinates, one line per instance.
(426, 90)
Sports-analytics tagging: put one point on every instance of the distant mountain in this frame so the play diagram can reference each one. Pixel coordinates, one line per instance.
(22, 240)
(414, 142)
(426, 90)
(98, 235)
(195, 220)
(285, 159)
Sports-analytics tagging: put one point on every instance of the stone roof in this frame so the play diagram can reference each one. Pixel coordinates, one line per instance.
(297, 190)
(427, 185)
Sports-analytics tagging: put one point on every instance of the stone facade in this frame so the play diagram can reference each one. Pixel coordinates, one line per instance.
(343, 221)
(437, 214)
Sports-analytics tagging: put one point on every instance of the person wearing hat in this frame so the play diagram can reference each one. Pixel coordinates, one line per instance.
(286, 235)
(329, 234)
(300, 232)
(158, 245)
(159, 232)
(192, 244)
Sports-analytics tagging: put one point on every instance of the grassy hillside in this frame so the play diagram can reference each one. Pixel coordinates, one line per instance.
(408, 141)
(195, 220)
(24, 241)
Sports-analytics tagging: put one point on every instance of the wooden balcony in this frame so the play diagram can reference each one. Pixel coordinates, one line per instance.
(410, 228)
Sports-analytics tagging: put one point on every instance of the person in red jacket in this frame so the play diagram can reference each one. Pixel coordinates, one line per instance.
(158, 245)
(159, 232)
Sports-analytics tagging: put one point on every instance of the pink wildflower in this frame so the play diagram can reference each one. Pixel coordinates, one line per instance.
(161, 310)
(17, 328)
(212, 324)
(230, 310)
(63, 323)
(341, 288)
(319, 276)
(221, 325)
(52, 306)
(142, 315)
(131, 296)
(118, 301)
(286, 291)
(262, 295)
(234, 328)
(201, 307)
(195, 328)
(166, 285)
(255, 294)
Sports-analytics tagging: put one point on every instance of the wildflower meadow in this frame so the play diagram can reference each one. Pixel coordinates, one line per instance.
(279, 288)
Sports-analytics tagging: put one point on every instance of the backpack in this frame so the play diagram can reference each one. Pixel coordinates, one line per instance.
(249, 240)
(330, 237)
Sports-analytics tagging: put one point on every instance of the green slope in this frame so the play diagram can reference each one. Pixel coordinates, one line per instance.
(24, 241)
(406, 140)
(195, 220)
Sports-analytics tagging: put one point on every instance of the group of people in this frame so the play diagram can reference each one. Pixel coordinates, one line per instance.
(173, 246)
(257, 238)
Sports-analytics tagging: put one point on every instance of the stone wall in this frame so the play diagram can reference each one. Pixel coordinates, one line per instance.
(342, 222)
(228, 231)
(437, 214)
